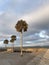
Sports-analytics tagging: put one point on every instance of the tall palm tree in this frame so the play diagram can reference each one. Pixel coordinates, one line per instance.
(13, 38)
(6, 42)
(21, 27)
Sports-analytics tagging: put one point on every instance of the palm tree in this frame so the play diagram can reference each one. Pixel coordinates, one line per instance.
(21, 27)
(13, 38)
(6, 42)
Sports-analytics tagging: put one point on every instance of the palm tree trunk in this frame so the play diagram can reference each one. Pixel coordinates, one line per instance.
(6, 47)
(13, 47)
(21, 42)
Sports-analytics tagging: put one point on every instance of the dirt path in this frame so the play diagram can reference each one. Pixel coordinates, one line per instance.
(45, 59)
(37, 59)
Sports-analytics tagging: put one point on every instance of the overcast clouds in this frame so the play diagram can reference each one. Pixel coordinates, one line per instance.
(36, 14)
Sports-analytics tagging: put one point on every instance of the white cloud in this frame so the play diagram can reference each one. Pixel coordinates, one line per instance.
(1, 44)
(39, 14)
(1, 12)
(43, 34)
(28, 42)
(6, 35)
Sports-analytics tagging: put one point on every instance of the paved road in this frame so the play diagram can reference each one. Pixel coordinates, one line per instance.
(15, 58)
(27, 58)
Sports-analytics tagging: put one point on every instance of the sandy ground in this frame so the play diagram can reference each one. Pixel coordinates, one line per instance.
(27, 58)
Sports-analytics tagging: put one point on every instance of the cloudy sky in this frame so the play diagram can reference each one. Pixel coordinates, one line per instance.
(34, 12)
